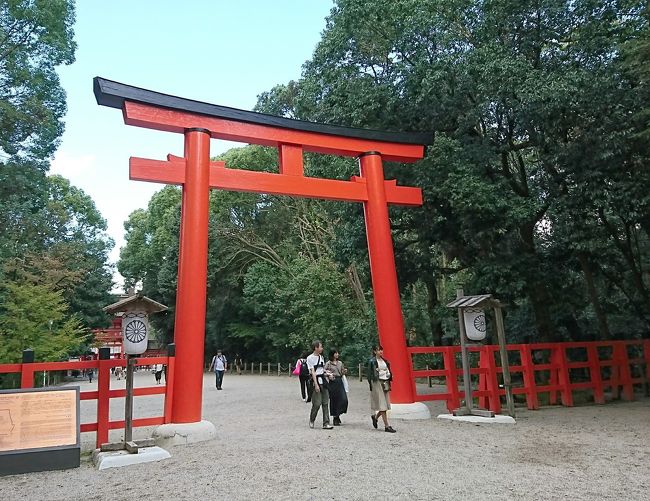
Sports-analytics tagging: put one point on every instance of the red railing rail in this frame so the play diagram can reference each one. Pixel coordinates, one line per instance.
(558, 369)
(104, 393)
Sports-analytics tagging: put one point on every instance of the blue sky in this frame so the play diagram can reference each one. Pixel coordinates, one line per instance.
(217, 51)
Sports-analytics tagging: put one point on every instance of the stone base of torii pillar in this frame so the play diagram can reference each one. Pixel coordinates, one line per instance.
(167, 435)
(416, 410)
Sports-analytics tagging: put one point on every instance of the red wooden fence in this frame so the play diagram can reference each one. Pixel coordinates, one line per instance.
(103, 394)
(553, 368)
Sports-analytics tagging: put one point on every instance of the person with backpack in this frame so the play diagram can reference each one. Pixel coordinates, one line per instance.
(306, 386)
(320, 396)
(220, 366)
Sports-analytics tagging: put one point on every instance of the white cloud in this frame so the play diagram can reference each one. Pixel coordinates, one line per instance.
(71, 166)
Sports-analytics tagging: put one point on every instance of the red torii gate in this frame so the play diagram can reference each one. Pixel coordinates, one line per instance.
(199, 122)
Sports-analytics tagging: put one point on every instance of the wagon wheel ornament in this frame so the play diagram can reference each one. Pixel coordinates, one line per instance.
(479, 323)
(136, 331)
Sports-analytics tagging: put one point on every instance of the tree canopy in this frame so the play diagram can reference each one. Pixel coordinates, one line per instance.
(53, 241)
(535, 187)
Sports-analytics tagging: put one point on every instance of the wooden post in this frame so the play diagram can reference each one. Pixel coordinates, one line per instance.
(360, 373)
(245, 365)
(453, 399)
(529, 377)
(429, 378)
(594, 373)
(26, 372)
(268, 368)
(279, 369)
(505, 365)
(467, 382)
(169, 381)
(103, 395)
(260, 368)
(128, 402)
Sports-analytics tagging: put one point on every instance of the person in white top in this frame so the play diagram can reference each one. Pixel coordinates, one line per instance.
(220, 366)
(321, 396)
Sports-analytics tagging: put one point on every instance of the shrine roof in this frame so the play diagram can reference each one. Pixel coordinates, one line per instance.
(483, 300)
(114, 94)
(136, 301)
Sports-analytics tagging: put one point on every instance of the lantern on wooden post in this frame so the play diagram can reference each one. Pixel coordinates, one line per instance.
(473, 330)
(135, 338)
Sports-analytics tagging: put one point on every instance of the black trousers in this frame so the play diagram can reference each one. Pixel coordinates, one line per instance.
(306, 387)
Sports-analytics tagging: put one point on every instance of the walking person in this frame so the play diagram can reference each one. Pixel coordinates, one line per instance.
(320, 397)
(306, 383)
(238, 364)
(220, 366)
(379, 379)
(338, 396)
(91, 373)
(158, 370)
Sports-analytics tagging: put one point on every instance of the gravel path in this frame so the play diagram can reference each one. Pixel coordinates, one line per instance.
(266, 450)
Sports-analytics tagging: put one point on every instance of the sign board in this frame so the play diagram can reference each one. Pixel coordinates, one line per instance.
(475, 326)
(135, 332)
(39, 429)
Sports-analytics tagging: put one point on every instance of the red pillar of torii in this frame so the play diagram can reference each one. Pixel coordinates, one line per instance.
(199, 122)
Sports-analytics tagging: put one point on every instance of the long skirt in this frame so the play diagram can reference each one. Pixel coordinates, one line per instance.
(338, 397)
(379, 399)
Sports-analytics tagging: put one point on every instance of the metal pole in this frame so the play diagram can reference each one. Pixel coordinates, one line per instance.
(128, 404)
(507, 383)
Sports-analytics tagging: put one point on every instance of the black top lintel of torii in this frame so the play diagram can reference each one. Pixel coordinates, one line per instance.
(113, 94)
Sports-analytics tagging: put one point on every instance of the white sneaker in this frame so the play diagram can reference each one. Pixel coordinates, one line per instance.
(327, 426)
(311, 424)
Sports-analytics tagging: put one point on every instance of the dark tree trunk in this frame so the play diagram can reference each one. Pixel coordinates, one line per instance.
(603, 326)
(432, 302)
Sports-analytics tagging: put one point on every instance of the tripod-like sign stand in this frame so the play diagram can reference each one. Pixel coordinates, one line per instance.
(135, 312)
(473, 330)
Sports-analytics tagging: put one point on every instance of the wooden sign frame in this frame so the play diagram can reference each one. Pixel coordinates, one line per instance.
(56, 457)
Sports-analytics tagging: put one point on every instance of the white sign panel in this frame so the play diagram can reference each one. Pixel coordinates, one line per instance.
(475, 325)
(135, 332)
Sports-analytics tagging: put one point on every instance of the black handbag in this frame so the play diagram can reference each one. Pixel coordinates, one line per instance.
(323, 382)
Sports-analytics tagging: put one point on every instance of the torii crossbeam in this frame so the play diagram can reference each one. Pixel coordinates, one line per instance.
(199, 122)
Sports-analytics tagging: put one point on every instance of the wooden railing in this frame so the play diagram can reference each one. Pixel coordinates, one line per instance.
(104, 393)
(558, 369)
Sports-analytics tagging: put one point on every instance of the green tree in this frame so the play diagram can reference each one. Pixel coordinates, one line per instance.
(35, 38)
(36, 317)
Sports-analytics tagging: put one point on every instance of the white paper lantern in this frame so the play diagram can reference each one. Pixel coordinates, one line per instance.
(475, 325)
(135, 332)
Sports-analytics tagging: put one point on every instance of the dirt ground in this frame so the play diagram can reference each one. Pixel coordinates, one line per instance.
(265, 450)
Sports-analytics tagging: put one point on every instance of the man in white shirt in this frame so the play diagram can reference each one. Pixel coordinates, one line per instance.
(321, 396)
(220, 366)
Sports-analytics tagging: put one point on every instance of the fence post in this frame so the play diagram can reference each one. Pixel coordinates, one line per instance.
(169, 381)
(103, 400)
(529, 377)
(279, 369)
(558, 358)
(260, 368)
(268, 368)
(491, 379)
(646, 357)
(26, 372)
(429, 379)
(625, 377)
(360, 373)
(594, 373)
(453, 398)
